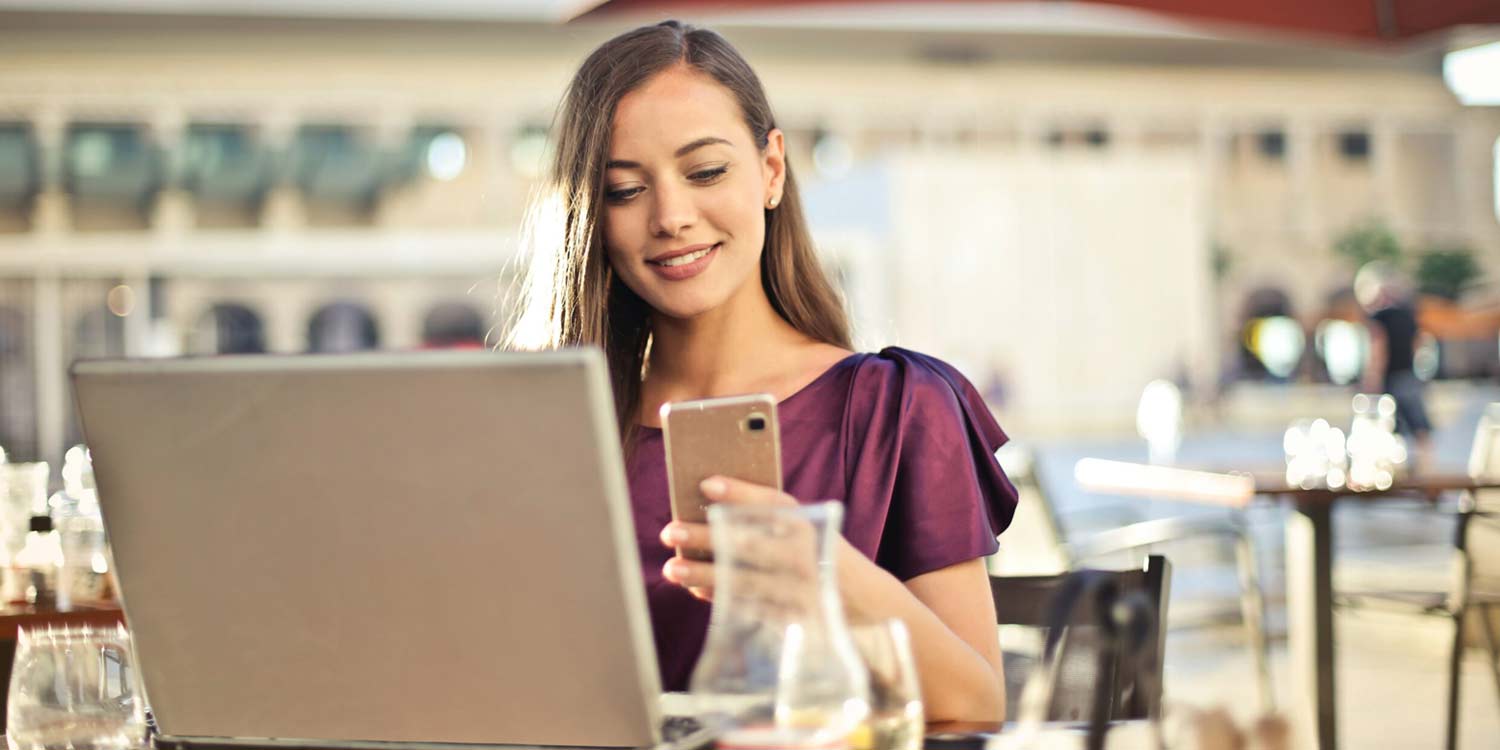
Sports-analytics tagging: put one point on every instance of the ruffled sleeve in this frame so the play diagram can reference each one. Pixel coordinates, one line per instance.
(924, 488)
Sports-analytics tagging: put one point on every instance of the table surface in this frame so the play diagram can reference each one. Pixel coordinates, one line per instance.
(1425, 485)
(14, 618)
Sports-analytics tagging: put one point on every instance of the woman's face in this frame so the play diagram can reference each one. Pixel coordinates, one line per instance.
(685, 190)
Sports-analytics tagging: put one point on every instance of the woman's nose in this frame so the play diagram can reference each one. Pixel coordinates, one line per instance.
(672, 212)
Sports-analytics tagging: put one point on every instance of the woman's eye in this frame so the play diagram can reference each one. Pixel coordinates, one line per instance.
(708, 175)
(622, 194)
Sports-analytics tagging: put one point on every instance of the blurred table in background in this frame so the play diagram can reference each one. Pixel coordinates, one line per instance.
(1309, 578)
(1309, 553)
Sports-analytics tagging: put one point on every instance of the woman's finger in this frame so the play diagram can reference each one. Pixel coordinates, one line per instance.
(688, 536)
(689, 573)
(721, 489)
(696, 577)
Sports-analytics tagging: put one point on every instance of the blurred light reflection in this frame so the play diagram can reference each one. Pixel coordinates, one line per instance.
(1343, 346)
(120, 300)
(1473, 74)
(1278, 342)
(1158, 419)
(446, 156)
(1427, 356)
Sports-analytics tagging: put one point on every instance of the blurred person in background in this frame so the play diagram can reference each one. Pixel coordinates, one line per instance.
(671, 235)
(1385, 296)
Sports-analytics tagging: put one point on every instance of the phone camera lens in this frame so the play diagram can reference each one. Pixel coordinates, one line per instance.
(756, 424)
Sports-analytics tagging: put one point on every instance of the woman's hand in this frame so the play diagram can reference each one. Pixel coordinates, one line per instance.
(698, 576)
(949, 611)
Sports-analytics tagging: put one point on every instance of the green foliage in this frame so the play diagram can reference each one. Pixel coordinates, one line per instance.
(1446, 272)
(1368, 242)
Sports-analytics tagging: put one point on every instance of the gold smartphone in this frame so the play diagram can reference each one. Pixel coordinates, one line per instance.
(736, 437)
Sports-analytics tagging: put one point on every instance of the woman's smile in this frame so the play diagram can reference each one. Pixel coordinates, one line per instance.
(683, 264)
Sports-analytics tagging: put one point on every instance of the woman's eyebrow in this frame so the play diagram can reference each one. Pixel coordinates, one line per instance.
(710, 140)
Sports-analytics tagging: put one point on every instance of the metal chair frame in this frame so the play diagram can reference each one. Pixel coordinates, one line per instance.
(1142, 536)
(1026, 601)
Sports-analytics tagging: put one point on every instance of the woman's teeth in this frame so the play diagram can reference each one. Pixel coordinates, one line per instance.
(683, 260)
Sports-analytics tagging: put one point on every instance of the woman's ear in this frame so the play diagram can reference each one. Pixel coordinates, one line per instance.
(773, 165)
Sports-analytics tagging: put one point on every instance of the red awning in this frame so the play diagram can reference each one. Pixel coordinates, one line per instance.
(1374, 20)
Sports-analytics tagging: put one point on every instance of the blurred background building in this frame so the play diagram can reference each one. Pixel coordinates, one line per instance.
(1066, 200)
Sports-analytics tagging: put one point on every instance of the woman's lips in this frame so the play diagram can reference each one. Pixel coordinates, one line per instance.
(685, 270)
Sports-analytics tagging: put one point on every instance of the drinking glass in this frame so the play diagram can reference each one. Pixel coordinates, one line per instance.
(896, 717)
(74, 689)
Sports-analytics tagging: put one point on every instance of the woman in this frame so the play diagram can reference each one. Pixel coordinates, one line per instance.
(673, 238)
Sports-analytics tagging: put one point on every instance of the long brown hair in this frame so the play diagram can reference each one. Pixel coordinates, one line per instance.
(571, 295)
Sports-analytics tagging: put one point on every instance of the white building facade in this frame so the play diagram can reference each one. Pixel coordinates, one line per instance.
(1064, 225)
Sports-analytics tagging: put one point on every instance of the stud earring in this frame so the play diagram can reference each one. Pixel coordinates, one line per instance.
(772, 202)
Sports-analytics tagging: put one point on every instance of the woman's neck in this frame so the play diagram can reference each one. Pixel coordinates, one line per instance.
(741, 346)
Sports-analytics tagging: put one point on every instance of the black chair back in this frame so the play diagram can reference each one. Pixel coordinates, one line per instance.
(1028, 601)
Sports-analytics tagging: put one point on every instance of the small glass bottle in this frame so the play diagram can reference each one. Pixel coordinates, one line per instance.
(80, 530)
(37, 565)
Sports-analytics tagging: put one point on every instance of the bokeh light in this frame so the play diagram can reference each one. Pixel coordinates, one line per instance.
(1473, 74)
(1426, 357)
(1278, 342)
(529, 151)
(446, 156)
(1344, 347)
(832, 155)
(120, 300)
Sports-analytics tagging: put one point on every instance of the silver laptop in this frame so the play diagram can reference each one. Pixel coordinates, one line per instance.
(388, 548)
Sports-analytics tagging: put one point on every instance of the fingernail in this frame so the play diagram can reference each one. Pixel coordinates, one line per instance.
(713, 487)
(672, 571)
(676, 535)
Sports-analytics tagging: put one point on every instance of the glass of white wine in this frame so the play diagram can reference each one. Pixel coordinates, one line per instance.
(896, 720)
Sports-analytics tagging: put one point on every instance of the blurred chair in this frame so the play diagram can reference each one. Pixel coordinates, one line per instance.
(1026, 601)
(1473, 599)
(1140, 537)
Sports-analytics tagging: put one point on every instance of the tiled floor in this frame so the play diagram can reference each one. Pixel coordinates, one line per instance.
(1392, 680)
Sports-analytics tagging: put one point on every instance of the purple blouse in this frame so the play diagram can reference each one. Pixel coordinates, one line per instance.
(903, 439)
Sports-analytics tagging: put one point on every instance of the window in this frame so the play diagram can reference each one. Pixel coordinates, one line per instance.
(17, 386)
(1354, 145)
(1272, 144)
(223, 163)
(18, 165)
(229, 328)
(342, 327)
(1071, 137)
(110, 162)
(452, 325)
(338, 170)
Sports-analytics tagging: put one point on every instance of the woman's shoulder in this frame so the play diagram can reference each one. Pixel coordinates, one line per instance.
(917, 379)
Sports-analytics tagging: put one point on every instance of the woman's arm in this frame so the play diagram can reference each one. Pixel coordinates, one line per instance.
(951, 616)
(949, 612)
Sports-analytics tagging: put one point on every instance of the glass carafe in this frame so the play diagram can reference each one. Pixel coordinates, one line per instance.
(779, 654)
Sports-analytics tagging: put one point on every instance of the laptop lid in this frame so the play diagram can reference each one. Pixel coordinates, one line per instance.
(415, 547)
